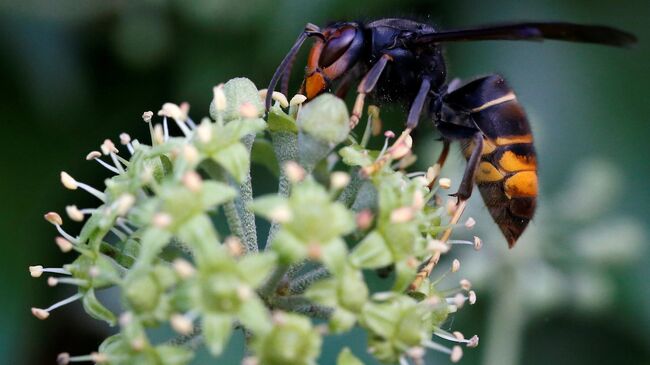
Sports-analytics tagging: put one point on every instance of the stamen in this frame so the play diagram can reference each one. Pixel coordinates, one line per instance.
(402, 215)
(64, 245)
(74, 213)
(124, 203)
(165, 130)
(297, 100)
(234, 245)
(72, 184)
(444, 183)
(95, 155)
(125, 140)
(38, 270)
(281, 214)
(44, 313)
(204, 131)
(54, 281)
(122, 223)
(455, 266)
(55, 219)
(158, 135)
(108, 148)
(470, 223)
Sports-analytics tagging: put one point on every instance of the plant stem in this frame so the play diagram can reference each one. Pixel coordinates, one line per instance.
(285, 146)
(245, 198)
(232, 216)
(349, 194)
(300, 284)
(268, 289)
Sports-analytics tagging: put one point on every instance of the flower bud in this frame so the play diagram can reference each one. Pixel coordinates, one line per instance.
(326, 118)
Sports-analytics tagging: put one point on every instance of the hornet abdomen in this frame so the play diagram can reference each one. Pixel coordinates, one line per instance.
(507, 173)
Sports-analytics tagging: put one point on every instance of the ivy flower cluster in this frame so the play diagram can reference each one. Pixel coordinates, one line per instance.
(342, 213)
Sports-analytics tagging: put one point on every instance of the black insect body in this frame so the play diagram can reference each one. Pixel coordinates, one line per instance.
(401, 60)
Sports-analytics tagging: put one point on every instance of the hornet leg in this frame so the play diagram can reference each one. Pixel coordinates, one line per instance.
(366, 86)
(467, 183)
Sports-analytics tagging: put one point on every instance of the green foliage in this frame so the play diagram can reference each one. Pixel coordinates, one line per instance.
(154, 237)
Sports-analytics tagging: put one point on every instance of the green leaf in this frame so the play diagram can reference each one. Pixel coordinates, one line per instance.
(371, 253)
(263, 154)
(152, 242)
(265, 205)
(95, 309)
(257, 267)
(279, 121)
(174, 355)
(347, 358)
(254, 315)
(216, 331)
(235, 160)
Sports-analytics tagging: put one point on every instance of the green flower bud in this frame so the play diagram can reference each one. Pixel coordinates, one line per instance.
(325, 118)
(292, 341)
(142, 292)
(239, 91)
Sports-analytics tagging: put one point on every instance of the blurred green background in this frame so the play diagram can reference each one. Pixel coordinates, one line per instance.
(576, 289)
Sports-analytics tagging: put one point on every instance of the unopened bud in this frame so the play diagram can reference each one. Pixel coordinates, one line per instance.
(183, 268)
(192, 181)
(181, 324)
(295, 173)
(162, 220)
(401, 215)
(124, 203)
(248, 110)
(364, 219)
(219, 98)
(204, 131)
(339, 180)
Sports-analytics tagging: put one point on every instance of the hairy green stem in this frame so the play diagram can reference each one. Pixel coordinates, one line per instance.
(232, 216)
(268, 289)
(245, 198)
(285, 146)
(302, 305)
(300, 284)
(349, 194)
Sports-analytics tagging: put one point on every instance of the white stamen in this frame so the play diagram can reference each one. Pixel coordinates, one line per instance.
(444, 183)
(478, 243)
(418, 200)
(53, 218)
(73, 184)
(297, 100)
(456, 354)
(125, 138)
(64, 245)
(74, 213)
(280, 98)
(472, 297)
(437, 245)
(158, 135)
(39, 313)
(95, 155)
(146, 116)
(455, 266)
(165, 129)
(63, 302)
(436, 346)
(108, 147)
(465, 284)
(470, 223)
